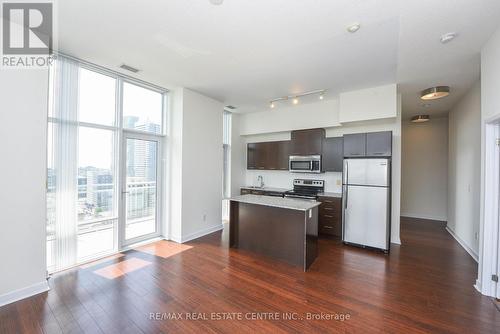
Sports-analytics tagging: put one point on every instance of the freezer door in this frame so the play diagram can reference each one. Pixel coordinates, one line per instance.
(366, 216)
(367, 172)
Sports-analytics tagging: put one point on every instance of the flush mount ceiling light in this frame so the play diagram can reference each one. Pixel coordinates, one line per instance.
(216, 2)
(420, 118)
(295, 98)
(446, 38)
(434, 93)
(353, 27)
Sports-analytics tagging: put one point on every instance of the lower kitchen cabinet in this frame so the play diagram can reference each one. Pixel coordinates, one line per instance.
(330, 216)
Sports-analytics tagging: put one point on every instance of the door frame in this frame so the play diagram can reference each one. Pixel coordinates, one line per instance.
(122, 220)
(489, 243)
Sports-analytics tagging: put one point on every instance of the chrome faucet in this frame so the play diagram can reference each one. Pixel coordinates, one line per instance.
(260, 179)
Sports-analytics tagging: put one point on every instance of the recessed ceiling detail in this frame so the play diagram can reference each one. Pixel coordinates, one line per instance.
(353, 27)
(446, 38)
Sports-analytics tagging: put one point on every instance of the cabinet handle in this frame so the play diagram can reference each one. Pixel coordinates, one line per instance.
(328, 216)
(378, 153)
(327, 227)
(261, 167)
(328, 209)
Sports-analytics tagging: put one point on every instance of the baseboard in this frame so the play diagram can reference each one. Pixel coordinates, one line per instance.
(23, 293)
(427, 217)
(478, 286)
(201, 233)
(195, 235)
(463, 244)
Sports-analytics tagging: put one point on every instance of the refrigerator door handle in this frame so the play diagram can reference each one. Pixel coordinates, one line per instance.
(346, 171)
(346, 196)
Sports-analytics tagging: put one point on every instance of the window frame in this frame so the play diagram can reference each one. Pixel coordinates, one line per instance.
(119, 133)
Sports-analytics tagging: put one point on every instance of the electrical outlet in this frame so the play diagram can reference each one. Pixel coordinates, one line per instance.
(204, 217)
(339, 182)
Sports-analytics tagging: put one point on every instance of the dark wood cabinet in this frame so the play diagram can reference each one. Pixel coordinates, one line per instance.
(333, 154)
(379, 144)
(330, 216)
(307, 142)
(251, 156)
(355, 145)
(268, 155)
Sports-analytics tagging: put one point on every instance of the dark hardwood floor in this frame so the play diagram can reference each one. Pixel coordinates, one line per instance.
(424, 286)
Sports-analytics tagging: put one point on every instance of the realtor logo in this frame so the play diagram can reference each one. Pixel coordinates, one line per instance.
(27, 34)
(27, 28)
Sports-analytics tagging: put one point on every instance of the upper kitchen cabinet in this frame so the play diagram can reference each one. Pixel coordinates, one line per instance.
(257, 155)
(268, 155)
(379, 144)
(333, 154)
(355, 145)
(251, 156)
(374, 144)
(307, 142)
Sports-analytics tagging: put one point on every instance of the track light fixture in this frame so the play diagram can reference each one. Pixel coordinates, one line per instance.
(295, 98)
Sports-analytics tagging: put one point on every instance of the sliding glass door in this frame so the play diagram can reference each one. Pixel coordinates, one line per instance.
(140, 188)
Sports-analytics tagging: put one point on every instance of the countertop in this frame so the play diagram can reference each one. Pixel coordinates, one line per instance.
(278, 202)
(277, 190)
(327, 194)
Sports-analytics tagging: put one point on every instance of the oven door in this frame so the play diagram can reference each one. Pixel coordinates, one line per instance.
(300, 164)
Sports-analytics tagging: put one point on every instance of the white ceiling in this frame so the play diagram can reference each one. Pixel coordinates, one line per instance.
(245, 53)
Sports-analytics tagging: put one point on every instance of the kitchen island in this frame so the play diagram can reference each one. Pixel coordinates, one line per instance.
(282, 228)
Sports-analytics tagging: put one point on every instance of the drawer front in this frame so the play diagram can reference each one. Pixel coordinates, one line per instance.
(332, 202)
(330, 216)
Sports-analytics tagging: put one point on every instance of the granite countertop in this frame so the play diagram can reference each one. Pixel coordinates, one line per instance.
(277, 190)
(278, 202)
(328, 194)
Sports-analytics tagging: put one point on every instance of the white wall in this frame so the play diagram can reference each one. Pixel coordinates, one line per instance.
(285, 118)
(490, 111)
(465, 169)
(280, 123)
(424, 182)
(23, 118)
(371, 103)
(196, 153)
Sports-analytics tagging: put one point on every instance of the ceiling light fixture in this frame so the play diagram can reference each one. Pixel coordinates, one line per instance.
(446, 38)
(420, 118)
(353, 27)
(295, 98)
(434, 93)
(216, 2)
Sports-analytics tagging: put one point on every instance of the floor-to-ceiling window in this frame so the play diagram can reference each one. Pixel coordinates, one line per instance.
(105, 133)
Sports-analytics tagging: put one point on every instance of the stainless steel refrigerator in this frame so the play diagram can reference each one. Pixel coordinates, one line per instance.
(367, 202)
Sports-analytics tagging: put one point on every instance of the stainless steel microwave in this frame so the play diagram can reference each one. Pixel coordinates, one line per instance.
(305, 164)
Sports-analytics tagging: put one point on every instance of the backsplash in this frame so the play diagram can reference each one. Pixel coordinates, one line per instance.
(284, 179)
